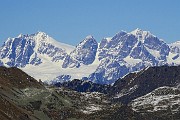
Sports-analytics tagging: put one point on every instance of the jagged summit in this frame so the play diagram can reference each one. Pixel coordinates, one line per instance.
(137, 31)
(89, 37)
(121, 33)
(88, 40)
(141, 34)
(37, 34)
(40, 35)
(84, 53)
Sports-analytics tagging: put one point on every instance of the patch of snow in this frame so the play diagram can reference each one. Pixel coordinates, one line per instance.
(126, 92)
(91, 108)
(155, 53)
(108, 39)
(170, 59)
(131, 61)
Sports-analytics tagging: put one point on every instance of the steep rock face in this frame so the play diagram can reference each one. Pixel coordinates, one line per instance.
(18, 51)
(27, 49)
(128, 52)
(109, 47)
(84, 53)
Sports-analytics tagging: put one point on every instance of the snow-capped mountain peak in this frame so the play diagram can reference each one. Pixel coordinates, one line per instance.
(141, 34)
(84, 53)
(137, 30)
(41, 35)
(32, 49)
(88, 40)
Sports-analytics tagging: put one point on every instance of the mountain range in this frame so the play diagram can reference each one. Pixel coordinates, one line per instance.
(50, 61)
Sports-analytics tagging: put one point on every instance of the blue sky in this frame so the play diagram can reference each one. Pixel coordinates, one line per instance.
(70, 21)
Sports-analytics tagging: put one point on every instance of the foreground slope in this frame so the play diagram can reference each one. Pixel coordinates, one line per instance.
(22, 97)
(11, 81)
